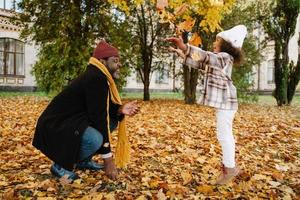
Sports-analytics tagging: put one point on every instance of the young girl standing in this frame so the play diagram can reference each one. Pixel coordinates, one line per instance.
(219, 91)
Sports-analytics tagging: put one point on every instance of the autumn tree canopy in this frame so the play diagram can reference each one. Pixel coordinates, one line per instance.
(182, 17)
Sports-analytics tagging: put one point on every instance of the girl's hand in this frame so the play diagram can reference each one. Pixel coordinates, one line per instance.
(178, 42)
(178, 51)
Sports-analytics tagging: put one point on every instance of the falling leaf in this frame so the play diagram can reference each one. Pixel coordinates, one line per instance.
(181, 9)
(161, 4)
(217, 2)
(187, 25)
(165, 17)
(195, 40)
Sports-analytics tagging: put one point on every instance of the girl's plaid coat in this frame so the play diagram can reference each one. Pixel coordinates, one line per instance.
(218, 90)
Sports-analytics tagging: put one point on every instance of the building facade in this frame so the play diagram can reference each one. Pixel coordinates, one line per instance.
(264, 74)
(17, 58)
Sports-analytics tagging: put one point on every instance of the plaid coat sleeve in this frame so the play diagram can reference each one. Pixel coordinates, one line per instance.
(198, 58)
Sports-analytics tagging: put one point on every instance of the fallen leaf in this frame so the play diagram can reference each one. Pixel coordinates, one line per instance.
(65, 180)
(10, 194)
(274, 183)
(187, 177)
(142, 197)
(283, 168)
(160, 195)
(205, 189)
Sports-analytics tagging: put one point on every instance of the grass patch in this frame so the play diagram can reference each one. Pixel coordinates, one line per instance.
(270, 100)
(262, 99)
(154, 95)
(21, 94)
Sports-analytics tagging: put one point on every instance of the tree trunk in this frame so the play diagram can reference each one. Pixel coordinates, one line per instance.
(173, 67)
(190, 77)
(281, 75)
(146, 84)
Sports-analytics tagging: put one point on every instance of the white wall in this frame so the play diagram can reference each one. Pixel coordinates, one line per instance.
(30, 57)
(293, 44)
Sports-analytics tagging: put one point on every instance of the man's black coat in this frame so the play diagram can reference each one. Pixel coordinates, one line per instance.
(81, 104)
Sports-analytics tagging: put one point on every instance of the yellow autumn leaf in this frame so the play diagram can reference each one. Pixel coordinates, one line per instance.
(187, 177)
(160, 195)
(92, 196)
(165, 17)
(161, 158)
(217, 2)
(153, 183)
(195, 40)
(205, 189)
(187, 25)
(181, 9)
(141, 197)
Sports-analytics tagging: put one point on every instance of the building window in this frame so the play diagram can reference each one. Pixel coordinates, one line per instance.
(162, 76)
(9, 4)
(11, 57)
(6, 4)
(270, 72)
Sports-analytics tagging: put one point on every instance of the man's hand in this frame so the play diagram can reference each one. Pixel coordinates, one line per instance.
(110, 168)
(178, 42)
(129, 108)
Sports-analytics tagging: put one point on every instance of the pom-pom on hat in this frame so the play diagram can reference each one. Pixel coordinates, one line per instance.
(235, 35)
(104, 50)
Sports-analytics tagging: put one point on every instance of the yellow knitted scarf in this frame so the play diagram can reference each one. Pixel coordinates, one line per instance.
(122, 151)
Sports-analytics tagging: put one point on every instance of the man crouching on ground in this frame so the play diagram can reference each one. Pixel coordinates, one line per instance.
(76, 124)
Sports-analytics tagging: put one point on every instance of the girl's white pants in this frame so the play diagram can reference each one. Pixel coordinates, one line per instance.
(225, 136)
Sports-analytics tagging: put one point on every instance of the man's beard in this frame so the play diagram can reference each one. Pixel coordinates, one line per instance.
(116, 74)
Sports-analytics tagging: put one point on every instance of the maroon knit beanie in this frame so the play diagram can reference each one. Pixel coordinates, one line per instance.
(104, 50)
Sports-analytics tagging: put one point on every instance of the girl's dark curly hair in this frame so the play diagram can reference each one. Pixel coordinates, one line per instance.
(236, 53)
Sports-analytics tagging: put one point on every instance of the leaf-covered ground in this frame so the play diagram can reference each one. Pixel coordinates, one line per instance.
(175, 155)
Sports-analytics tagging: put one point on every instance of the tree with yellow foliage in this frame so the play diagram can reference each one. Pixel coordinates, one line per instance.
(184, 17)
(196, 18)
